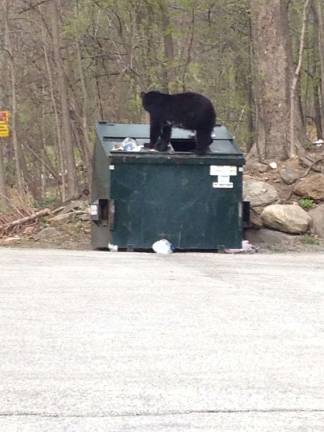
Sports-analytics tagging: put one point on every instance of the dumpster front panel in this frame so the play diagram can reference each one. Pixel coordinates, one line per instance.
(182, 203)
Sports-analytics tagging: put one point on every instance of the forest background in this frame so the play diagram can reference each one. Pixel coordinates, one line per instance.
(66, 64)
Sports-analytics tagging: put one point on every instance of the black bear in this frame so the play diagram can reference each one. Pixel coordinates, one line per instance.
(188, 110)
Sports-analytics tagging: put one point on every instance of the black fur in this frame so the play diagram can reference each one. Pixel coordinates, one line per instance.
(189, 110)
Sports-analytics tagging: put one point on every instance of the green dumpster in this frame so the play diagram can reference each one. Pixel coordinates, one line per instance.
(137, 198)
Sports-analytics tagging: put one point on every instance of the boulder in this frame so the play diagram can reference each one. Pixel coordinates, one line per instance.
(259, 193)
(317, 215)
(255, 218)
(253, 166)
(311, 186)
(48, 233)
(270, 239)
(286, 218)
(84, 217)
(290, 171)
(75, 205)
(62, 218)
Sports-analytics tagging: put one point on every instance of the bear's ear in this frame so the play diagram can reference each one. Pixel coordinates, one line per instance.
(142, 94)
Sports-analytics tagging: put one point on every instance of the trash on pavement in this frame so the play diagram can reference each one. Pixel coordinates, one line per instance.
(112, 247)
(163, 247)
(247, 247)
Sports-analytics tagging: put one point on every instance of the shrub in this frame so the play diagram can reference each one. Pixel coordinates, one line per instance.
(306, 203)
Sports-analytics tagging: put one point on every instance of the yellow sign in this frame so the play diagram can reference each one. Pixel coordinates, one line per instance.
(4, 130)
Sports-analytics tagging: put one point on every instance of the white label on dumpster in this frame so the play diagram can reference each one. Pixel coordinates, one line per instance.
(223, 181)
(222, 170)
(111, 167)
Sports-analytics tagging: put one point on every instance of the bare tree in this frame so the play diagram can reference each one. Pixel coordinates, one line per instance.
(168, 71)
(292, 125)
(12, 73)
(3, 189)
(270, 41)
(68, 150)
(320, 39)
(61, 160)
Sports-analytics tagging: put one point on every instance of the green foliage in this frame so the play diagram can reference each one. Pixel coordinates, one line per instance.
(47, 201)
(306, 203)
(310, 240)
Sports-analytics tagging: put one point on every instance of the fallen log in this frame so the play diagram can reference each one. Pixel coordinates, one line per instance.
(21, 221)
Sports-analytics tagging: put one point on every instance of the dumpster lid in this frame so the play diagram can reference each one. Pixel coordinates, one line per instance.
(107, 133)
(119, 130)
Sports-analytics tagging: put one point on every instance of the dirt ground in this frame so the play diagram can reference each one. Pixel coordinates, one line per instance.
(74, 234)
(67, 227)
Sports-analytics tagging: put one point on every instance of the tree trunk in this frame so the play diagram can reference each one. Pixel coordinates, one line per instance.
(270, 41)
(72, 189)
(317, 111)
(59, 143)
(250, 93)
(320, 38)
(168, 72)
(85, 127)
(3, 189)
(293, 142)
(12, 72)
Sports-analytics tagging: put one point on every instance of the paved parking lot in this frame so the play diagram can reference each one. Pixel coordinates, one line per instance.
(94, 341)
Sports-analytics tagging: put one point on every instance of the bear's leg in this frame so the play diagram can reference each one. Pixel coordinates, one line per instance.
(165, 138)
(155, 132)
(203, 140)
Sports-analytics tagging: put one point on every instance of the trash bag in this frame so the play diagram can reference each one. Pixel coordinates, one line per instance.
(163, 247)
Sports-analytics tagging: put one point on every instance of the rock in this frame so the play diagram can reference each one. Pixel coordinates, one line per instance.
(48, 233)
(62, 218)
(262, 168)
(311, 186)
(75, 205)
(317, 215)
(259, 193)
(290, 171)
(254, 166)
(84, 217)
(287, 218)
(266, 238)
(255, 218)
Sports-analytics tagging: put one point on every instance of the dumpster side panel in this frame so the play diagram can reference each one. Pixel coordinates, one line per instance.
(100, 187)
(100, 190)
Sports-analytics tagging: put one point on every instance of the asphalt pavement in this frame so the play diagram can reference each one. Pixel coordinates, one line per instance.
(101, 341)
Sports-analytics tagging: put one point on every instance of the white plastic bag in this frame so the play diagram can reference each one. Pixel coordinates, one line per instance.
(130, 144)
(163, 247)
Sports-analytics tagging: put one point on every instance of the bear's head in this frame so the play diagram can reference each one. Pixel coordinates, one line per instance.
(152, 99)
